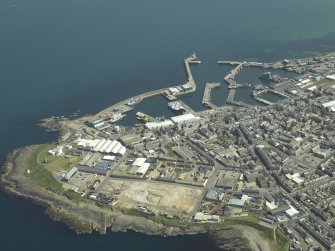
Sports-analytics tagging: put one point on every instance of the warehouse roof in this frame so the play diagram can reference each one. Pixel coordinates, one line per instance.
(184, 118)
(236, 202)
(143, 169)
(157, 125)
(139, 161)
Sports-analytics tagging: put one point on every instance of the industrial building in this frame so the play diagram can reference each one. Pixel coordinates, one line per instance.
(96, 123)
(236, 203)
(70, 174)
(143, 166)
(102, 146)
(159, 125)
(185, 119)
(200, 216)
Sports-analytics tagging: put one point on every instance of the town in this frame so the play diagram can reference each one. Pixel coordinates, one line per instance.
(274, 161)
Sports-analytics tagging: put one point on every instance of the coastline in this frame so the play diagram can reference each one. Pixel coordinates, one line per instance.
(88, 216)
(78, 218)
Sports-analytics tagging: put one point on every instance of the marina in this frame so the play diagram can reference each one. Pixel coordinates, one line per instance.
(176, 105)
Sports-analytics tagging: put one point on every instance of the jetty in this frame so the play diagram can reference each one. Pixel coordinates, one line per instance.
(206, 99)
(187, 61)
(264, 101)
(229, 78)
(145, 117)
(188, 87)
(231, 95)
(122, 105)
(229, 62)
(280, 94)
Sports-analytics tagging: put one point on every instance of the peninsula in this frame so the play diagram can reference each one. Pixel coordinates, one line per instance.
(225, 171)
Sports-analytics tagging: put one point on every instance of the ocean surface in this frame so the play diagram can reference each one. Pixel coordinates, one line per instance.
(57, 57)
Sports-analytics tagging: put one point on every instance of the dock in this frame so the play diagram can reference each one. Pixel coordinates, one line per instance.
(145, 117)
(280, 94)
(187, 109)
(229, 78)
(264, 101)
(231, 95)
(229, 62)
(240, 104)
(166, 94)
(206, 99)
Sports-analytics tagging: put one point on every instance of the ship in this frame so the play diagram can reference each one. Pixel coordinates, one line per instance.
(134, 101)
(245, 85)
(116, 117)
(259, 87)
(267, 76)
(175, 106)
(142, 116)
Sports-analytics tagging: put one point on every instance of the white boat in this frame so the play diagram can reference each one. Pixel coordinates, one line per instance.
(116, 117)
(134, 101)
(176, 106)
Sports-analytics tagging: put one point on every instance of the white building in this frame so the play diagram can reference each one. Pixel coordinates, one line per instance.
(103, 146)
(185, 119)
(331, 77)
(142, 170)
(329, 104)
(158, 125)
(139, 162)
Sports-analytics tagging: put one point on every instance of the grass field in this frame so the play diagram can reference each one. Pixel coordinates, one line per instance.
(282, 241)
(266, 232)
(155, 218)
(41, 172)
(75, 197)
(324, 83)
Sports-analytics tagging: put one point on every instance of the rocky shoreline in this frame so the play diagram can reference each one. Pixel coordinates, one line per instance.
(84, 218)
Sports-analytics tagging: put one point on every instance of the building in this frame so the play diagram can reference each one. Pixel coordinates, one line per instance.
(279, 210)
(200, 216)
(185, 119)
(96, 123)
(139, 162)
(70, 174)
(143, 166)
(142, 170)
(57, 151)
(102, 146)
(331, 77)
(159, 125)
(108, 157)
(236, 203)
(211, 194)
(291, 212)
(130, 139)
(184, 153)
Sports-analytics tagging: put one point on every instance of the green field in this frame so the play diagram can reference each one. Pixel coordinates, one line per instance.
(281, 243)
(75, 197)
(155, 218)
(41, 172)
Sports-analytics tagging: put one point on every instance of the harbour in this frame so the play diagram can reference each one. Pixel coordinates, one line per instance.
(61, 67)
